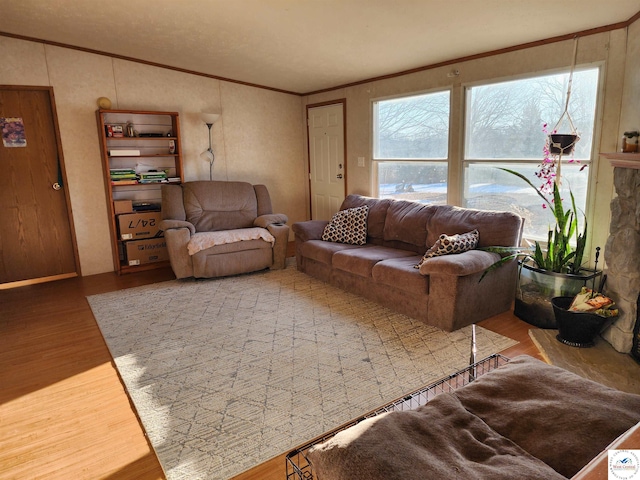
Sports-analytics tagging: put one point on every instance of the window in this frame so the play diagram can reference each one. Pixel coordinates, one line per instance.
(411, 147)
(504, 128)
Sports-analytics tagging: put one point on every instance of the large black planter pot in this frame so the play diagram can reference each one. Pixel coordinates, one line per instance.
(535, 288)
(576, 329)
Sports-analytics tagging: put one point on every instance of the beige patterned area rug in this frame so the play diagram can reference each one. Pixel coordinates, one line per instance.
(228, 373)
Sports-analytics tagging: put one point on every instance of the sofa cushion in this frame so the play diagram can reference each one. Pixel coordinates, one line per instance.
(406, 223)
(203, 240)
(348, 226)
(360, 261)
(401, 274)
(438, 440)
(221, 206)
(377, 212)
(460, 265)
(555, 415)
(451, 244)
(321, 251)
(496, 228)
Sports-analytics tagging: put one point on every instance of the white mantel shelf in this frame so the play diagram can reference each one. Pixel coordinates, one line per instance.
(623, 160)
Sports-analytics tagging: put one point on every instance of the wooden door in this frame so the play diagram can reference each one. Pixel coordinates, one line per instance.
(326, 159)
(36, 237)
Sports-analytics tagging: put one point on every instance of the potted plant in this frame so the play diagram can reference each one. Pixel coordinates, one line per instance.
(555, 269)
(630, 141)
(562, 143)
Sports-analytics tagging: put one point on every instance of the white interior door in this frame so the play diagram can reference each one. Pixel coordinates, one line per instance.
(326, 160)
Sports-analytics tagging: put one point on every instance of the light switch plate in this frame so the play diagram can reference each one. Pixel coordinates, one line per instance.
(361, 161)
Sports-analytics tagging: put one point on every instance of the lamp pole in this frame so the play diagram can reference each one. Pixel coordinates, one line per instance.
(210, 153)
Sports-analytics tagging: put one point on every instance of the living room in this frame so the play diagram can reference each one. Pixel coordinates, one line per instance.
(262, 138)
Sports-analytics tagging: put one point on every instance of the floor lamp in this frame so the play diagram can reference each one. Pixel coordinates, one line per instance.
(209, 119)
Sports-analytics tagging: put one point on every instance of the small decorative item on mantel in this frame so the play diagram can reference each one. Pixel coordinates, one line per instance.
(630, 141)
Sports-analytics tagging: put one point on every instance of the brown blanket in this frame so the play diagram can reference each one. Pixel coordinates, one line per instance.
(555, 415)
(525, 420)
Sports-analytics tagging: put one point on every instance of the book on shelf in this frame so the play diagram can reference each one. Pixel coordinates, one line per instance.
(122, 152)
(124, 182)
(123, 175)
(153, 180)
(152, 175)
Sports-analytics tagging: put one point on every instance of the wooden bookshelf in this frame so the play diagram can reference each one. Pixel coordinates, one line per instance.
(137, 144)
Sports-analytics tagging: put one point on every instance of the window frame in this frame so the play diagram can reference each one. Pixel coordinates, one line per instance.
(375, 162)
(592, 162)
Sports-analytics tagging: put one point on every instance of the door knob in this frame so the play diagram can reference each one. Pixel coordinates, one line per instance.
(339, 175)
(56, 186)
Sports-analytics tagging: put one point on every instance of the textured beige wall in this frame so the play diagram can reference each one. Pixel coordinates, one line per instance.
(259, 137)
(630, 111)
(606, 49)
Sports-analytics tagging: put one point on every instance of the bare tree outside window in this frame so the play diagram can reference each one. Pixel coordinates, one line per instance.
(411, 142)
(505, 127)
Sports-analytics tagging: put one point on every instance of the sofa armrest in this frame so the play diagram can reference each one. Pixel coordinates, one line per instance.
(460, 264)
(309, 230)
(169, 224)
(270, 219)
(281, 234)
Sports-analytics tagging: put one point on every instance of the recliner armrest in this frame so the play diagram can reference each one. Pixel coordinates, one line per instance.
(460, 264)
(281, 234)
(270, 219)
(169, 224)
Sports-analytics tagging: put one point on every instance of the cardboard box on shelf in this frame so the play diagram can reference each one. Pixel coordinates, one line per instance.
(140, 252)
(122, 206)
(135, 226)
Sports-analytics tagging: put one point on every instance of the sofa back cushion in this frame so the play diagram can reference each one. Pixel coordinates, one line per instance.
(213, 206)
(495, 228)
(406, 225)
(376, 217)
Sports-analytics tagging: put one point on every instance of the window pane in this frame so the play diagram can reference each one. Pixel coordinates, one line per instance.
(424, 182)
(505, 120)
(488, 188)
(412, 127)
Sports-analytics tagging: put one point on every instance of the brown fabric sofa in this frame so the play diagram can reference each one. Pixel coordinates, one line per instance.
(233, 218)
(445, 291)
(524, 420)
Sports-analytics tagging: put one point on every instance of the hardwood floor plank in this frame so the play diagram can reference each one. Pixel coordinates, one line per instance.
(64, 413)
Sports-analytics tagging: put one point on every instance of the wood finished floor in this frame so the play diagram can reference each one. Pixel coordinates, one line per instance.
(64, 413)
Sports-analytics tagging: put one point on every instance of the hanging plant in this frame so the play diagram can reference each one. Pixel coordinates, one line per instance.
(558, 143)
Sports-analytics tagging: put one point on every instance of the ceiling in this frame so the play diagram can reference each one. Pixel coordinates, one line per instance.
(304, 46)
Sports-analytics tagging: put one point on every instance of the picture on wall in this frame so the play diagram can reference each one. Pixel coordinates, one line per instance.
(13, 132)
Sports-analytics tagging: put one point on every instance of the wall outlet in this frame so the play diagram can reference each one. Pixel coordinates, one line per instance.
(361, 161)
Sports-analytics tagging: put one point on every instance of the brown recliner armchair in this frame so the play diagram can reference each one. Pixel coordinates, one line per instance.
(215, 229)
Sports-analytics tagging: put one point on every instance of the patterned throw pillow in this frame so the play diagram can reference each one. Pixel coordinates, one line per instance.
(348, 226)
(448, 244)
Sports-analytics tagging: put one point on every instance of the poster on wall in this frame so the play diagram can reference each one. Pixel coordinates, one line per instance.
(13, 132)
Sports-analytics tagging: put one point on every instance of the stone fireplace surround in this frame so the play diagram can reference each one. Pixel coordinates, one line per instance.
(622, 252)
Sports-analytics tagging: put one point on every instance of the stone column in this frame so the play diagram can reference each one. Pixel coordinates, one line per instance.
(622, 255)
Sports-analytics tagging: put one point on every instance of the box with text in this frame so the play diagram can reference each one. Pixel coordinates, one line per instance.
(135, 226)
(140, 252)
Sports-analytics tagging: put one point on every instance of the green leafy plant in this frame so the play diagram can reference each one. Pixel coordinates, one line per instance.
(559, 256)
